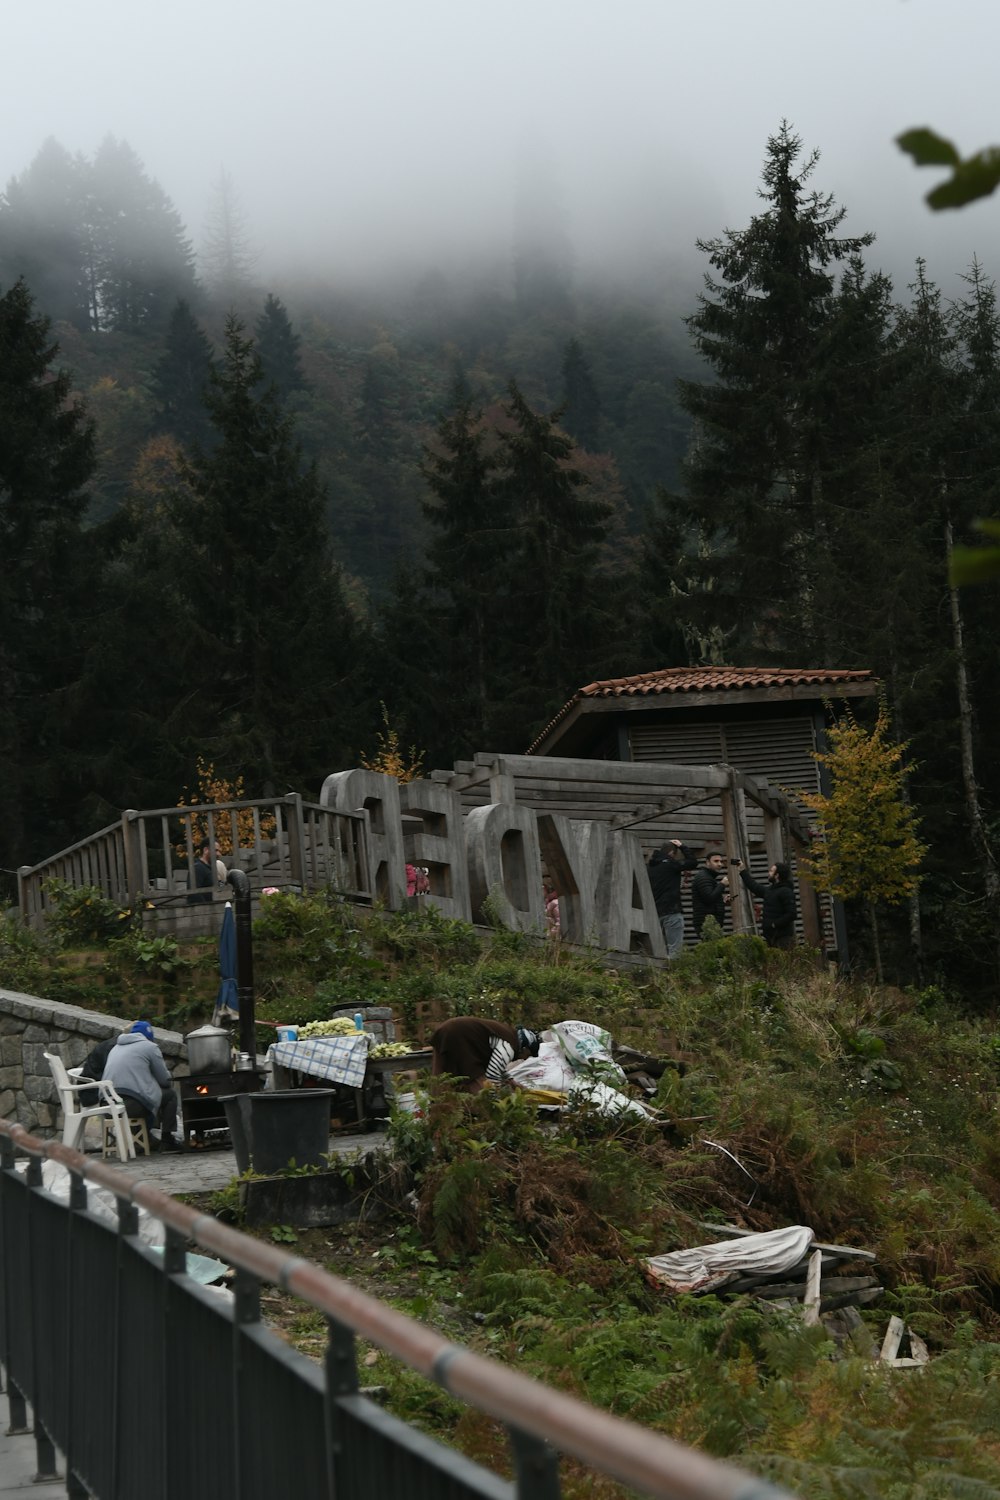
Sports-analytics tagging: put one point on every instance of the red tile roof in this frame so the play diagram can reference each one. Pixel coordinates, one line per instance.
(708, 679)
(714, 679)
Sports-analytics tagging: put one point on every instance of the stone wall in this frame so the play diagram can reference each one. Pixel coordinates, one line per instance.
(30, 1027)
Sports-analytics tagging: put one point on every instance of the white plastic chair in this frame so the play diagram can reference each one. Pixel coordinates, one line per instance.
(111, 1107)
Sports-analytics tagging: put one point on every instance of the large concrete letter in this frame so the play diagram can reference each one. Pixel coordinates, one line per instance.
(440, 844)
(505, 864)
(378, 795)
(574, 851)
(625, 906)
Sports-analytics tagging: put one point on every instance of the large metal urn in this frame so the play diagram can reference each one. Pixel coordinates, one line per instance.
(209, 1050)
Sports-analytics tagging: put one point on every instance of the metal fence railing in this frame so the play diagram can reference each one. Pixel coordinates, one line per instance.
(154, 1387)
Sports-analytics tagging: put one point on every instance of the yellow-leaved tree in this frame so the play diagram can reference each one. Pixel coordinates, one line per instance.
(389, 757)
(867, 848)
(214, 788)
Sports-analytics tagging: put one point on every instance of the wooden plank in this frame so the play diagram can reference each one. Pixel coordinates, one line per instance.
(893, 1339)
(614, 772)
(810, 1309)
(918, 1349)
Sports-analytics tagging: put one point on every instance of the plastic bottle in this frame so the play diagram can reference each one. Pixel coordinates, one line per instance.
(359, 1021)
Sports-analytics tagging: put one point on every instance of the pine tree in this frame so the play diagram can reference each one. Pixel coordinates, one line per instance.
(278, 347)
(755, 476)
(581, 404)
(46, 460)
(279, 665)
(182, 377)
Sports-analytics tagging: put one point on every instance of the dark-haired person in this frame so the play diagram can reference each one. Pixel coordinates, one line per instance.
(204, 875)
(480, 1051)
(777, 895)
(709, 893)
(665, 869)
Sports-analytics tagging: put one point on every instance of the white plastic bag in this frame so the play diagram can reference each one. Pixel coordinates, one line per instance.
(587, 1049)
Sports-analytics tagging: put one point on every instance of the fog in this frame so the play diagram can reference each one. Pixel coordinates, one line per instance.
(367, 137)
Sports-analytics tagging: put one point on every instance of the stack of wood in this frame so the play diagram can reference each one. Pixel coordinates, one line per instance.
(832, 1299)
(814, 1282)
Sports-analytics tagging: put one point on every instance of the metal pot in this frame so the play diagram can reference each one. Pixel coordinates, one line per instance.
(209, 1050)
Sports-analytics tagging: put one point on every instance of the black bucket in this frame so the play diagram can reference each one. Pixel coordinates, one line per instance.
(273, 1129)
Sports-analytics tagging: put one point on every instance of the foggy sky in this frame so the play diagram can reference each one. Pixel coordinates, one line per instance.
(368, 133)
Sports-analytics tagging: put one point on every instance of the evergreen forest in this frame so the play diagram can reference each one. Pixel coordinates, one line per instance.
(255, 524)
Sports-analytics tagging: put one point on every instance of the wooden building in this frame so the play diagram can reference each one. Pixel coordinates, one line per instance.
(764, 721)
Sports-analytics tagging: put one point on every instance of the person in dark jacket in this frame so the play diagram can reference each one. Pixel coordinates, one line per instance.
(709, 893)
(480, 1051)
(93, 1067)
(665, 869)
(778, 898)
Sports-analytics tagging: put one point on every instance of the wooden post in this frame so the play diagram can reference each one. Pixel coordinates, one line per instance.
(296, 840)
(132, 839)
(808, 905)
(734, 832)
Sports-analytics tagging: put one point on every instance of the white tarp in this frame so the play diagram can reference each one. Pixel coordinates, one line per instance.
(708, 1266)
(569, 1057)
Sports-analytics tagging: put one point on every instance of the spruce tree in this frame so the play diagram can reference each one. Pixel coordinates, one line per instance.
(42, 234)
(46, 460)
(181, 379)
(140, 259)
(517, 574)
(278, 667)
(278, 347)
(755, 475)
(581, 404)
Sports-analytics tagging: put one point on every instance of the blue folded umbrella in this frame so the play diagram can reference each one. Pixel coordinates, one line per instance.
(228, 1000)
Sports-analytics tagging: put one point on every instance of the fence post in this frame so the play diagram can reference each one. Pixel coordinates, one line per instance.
(296, 840)
(131, 839)
(536, 1466)
(24, 885)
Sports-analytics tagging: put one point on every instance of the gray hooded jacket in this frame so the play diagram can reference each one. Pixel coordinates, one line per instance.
(135, 1066)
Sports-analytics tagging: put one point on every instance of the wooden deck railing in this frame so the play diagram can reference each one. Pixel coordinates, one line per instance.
(149, 856)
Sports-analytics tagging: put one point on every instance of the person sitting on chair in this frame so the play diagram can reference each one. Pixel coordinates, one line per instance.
(136, 1068)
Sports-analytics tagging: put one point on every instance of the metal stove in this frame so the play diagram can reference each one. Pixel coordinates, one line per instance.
(200, 1094)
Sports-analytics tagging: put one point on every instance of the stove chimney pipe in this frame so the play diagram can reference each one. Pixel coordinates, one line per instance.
(244, 963)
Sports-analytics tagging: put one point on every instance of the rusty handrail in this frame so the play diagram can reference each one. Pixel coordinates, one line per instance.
(634, 1455)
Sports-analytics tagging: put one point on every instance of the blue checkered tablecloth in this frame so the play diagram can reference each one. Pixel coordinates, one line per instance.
(339, 1059)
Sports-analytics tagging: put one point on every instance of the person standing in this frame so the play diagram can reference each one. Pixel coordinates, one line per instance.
(665, 870)
(778, 898)
(709, 893)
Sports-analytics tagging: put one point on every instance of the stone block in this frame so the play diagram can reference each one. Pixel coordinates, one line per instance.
(35, 1033)
(11, 1026)
(7, 1103)
(45, 1116)
(10, 1051)
(11, 1078)
(37, 1087)
(33, 1058)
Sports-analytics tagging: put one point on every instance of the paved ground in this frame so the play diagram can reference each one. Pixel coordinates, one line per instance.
(207, 1170)
(17, 1464)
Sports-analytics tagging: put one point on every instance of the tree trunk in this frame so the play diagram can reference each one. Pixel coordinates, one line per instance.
(973, 808)
(876, 945)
